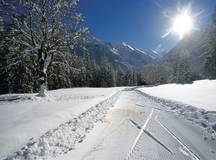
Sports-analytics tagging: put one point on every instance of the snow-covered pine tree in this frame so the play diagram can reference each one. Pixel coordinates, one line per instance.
(95, 82)
(157, 74)
(134, 78)
(59, 72)
(120, 77)
(150, 74)
(210, 62)
(106, 73)
(128, 76)
(1, 26)
(183, 71)
(44, 28)
(92, 71)
(3, 62)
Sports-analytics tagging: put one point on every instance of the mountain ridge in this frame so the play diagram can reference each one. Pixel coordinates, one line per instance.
(120, 55)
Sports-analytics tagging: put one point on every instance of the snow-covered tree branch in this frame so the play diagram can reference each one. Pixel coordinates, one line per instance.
(43, 28)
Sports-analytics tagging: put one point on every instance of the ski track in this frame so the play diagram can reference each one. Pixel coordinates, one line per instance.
(151, 136)
(193, 156)
(138, 136)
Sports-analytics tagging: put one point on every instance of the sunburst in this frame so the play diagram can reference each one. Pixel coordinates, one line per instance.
(183, 22)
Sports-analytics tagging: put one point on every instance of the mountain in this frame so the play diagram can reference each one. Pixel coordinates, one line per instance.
(193, 47)
(124, 55)
(119, 55)
(136, 57)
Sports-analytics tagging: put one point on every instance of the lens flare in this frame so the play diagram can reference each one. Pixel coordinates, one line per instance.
(182, 24)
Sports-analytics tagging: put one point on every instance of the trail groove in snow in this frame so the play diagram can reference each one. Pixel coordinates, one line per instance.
(192, 155)
(138, 136)
(63, 139)
(151, 136)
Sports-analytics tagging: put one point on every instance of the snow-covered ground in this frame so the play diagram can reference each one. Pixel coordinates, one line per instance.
(194, 102)
(25, 116)
(139, 127)
(200, 94)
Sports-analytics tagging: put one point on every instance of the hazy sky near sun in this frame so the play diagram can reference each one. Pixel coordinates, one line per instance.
(140, 23)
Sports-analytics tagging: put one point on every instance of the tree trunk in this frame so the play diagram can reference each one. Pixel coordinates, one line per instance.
(44, 62)
(42, 81)
(42, 86)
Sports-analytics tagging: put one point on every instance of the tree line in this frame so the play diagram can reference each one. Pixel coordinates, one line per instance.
(210, 50)
(37, 41)
(179, 71)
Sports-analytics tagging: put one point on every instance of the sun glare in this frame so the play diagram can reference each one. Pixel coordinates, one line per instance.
(182, 24)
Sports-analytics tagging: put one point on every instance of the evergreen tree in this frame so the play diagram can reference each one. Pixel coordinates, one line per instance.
(210, 62)
(134, 78)
(106, 73)
(183, 72)
(3, 59)
(59, 72)
(128, 77)
(91, 72)
(140, 80)
(95, 81)
(119, 77)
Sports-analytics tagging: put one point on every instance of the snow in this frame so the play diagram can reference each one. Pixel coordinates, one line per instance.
(115, 51)
(155, 52)
(141, 51)
(44, 128)
(121, 135)
(193, 102)
(113, 138)
(126, 45)
(201, 94)
(26, 119)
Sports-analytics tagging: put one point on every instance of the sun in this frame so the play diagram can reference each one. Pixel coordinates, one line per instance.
(182, 24)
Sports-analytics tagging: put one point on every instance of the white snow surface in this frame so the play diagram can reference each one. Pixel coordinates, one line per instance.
(201, 94)
(141, 51)
(25, 116)
(127, 45)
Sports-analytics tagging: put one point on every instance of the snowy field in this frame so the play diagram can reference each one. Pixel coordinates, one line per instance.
(93, 123)
(25, 116)
(193, 102)
(200, 94)
(140, 127)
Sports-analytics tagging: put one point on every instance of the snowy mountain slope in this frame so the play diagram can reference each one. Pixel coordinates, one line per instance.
(120, 56)
(135, 57)
(128, 46)
(154, 55)
(24, 118)
(192, 46)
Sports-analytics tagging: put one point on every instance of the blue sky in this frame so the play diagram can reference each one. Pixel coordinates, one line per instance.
(140, 23)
